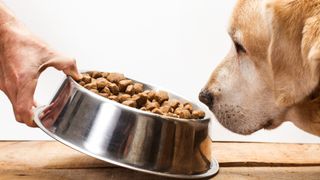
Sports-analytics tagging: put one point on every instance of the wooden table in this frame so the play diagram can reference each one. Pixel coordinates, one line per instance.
(52, 160)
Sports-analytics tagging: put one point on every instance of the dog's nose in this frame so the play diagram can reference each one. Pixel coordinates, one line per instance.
(206, 97)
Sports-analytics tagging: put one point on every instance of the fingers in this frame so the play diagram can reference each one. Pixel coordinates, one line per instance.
(24, 103)
(67, 65)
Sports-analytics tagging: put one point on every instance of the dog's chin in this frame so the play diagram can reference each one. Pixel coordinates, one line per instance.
(243, 131)
(240, 124)
(269, 125)
(237, 126)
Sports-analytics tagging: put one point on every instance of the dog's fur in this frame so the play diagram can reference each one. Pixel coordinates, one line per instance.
(275, 78)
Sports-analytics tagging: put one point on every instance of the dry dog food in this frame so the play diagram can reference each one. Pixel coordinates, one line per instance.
(117, 87)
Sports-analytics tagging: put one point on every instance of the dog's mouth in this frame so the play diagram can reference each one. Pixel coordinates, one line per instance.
(269, 125)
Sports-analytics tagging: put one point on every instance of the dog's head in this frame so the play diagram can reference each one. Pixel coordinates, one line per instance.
(272, 66)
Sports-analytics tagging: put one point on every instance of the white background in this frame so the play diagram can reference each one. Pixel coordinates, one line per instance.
(172, 43)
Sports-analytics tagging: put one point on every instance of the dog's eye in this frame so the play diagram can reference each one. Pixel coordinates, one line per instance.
(239, 48)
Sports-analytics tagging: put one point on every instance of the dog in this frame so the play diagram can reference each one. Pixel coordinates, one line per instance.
(271, 74)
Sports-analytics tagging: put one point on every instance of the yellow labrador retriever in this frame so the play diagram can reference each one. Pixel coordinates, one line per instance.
(272, 71)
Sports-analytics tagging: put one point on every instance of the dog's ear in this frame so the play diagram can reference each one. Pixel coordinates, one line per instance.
(294, 51)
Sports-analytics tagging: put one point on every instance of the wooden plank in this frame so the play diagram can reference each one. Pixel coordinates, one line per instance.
(237, 173)
(44, 154)
(278, 173)
(261, 154)
(53, 155)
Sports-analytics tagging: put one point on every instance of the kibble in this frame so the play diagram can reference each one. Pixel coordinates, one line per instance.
(188, 106)
(152, 105)
(198, 114)
(86, 78)
(130, 103)
(138, 88)
(130, 90)
(101, 83)
(161, 96)
(96, 74)
(174, 103)
(113, 88)
(151, 95)
(115, 77)
(105, 74)
(123, 97)
(157, 111)
(123, 84)
(106, 90)
(91, 86)
(141, 99)
(82, 83)
(114, 98)
(116, 87)
(185, 114)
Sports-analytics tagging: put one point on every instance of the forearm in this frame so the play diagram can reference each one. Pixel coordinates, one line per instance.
(22, 58)
(7, 22)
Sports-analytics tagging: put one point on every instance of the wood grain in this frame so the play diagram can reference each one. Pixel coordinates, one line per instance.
(52, 160)
(236, 173)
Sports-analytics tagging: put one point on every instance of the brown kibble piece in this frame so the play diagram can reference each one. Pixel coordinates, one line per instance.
(151, 95)
(141, 99)
(115, 77)
(172, 115)
(174, 103)
(130, 103)
(106, 90)
(105, 74)
(185, 114)
(178, 110)
(161, 96)
(96, 74)
(123, 84)
(151, 105)
(123, 97)
(90, 86)
(89, 73)
(137, 88)
(188, 106)
(130, 90)
(82, 83)
(113, 88)
(114, 98)
(101, 83)
(165, 103)
(197, 114)
(86, 78)
(143, 109)
(165, 109)
(157, 111)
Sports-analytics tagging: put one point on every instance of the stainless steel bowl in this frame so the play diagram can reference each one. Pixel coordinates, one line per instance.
(128, 137)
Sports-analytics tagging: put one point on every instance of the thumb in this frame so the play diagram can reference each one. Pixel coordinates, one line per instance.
(24, 103)
(67, 65)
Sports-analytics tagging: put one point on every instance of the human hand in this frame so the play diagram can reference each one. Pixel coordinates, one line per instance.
(22, 58)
